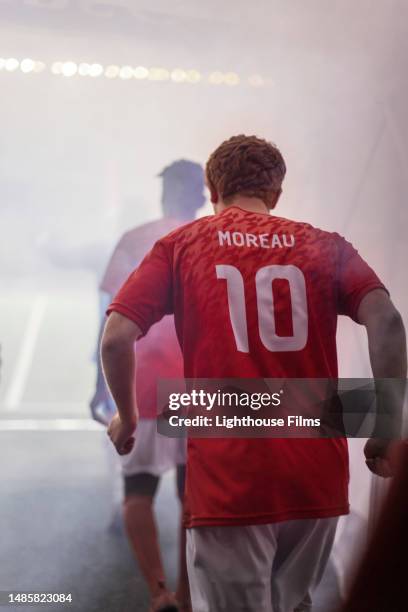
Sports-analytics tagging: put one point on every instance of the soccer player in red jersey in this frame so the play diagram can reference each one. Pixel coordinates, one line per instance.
(254, 295)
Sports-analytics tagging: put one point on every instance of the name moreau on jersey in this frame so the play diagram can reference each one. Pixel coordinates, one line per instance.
(262, 241)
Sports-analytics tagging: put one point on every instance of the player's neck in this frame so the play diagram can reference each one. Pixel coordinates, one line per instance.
(246, 203)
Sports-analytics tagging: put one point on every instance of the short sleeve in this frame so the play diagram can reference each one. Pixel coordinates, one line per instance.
(147, 294)
(355, 279)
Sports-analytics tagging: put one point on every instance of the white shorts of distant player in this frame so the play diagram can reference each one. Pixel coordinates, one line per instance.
(153, 453)
(268, 568)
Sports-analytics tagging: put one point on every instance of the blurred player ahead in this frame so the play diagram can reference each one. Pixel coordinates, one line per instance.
(262, 513)
(158, 356)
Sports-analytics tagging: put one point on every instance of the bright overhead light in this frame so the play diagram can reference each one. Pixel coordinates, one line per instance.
(178, 75)
(112, 72)
(83, 69)
(159, 74)
(27, 65)
(11, 64)
(231, 78)
(140, 72)
(256, 80)
(193, 76)
(95, 70)
(56, 68)
(126, 72)
(69, 69)
(216, 78)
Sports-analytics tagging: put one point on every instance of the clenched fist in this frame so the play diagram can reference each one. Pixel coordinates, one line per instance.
(121, 435)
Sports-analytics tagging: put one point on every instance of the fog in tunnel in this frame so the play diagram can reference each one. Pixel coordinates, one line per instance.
(80, 155)
(80, 151)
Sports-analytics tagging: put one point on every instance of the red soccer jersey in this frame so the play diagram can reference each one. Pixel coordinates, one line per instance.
(254, 295)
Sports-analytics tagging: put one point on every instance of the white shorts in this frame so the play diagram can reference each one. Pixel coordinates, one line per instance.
(259, 568)
(153, 453)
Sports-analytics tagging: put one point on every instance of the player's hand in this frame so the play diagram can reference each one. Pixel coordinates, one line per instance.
(379, 457)
(121, 435)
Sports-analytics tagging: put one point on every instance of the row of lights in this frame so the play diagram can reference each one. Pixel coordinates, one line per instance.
(70, 69)
(26, 65)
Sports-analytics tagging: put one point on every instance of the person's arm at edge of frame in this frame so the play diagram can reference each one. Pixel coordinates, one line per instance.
(119, 366)
(388, 357)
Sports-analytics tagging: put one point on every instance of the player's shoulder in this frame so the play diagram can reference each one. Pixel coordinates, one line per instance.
(187, 230)
(155, 227)
(309, 230)
(316, 241)
(133, 234)
(145, 235)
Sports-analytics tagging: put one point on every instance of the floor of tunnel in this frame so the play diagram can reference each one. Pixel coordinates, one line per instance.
(55, 520)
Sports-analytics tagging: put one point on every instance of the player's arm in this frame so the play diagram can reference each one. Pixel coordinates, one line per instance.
(118, 362)
(142, 301)
(386, 335)
(388, 356)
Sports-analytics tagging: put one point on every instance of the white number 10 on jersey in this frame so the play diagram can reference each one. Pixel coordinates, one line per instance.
(265, 304)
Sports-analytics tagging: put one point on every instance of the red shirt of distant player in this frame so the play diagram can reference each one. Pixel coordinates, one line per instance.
(254, 295)
(158, 354)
